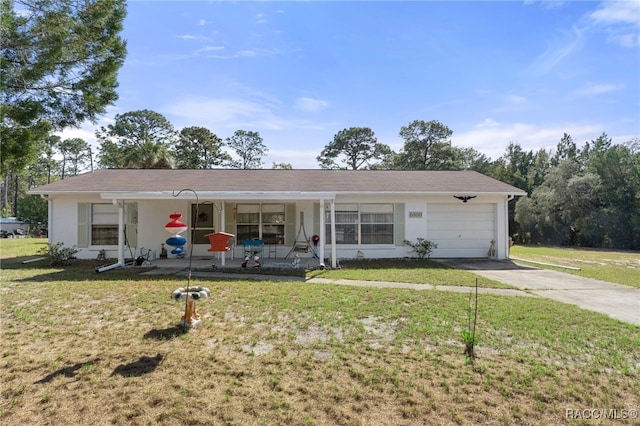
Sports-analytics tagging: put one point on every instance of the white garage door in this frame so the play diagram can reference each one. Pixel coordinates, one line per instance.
(461, 230)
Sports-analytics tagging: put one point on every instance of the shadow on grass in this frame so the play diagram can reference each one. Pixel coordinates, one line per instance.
(142, 366)
(166, 333)
(69, 372)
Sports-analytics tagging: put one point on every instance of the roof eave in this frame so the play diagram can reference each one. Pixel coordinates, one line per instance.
(217, 195)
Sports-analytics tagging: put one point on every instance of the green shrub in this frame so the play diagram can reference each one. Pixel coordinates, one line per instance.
(57, 254)
(422, 247)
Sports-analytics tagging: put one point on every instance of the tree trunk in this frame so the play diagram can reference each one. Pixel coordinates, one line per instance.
(15, 197)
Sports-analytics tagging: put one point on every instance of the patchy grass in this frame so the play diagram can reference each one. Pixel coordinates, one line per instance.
(79, 346)
(621, 267)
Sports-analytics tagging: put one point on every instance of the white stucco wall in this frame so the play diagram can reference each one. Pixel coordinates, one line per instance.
(153, 215)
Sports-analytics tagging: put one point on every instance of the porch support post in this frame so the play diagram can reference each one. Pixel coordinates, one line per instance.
(323, 234)
(334, 258)
(121, 231)
(223, 255)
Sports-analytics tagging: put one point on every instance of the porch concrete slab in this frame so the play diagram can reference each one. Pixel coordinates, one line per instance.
(615, 300)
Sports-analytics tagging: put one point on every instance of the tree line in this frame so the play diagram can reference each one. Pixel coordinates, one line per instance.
(580, 196)
(58, 66)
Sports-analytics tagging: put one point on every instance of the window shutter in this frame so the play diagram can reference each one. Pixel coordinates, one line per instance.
(229, 220)
(398, 224)
(316, 218)
(131, 223)
(290, 224)
(83, 224)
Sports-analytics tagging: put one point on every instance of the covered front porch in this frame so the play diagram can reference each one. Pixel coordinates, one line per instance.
(214, 262)
(285, 227)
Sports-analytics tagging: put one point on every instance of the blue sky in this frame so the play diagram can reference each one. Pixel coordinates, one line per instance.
(299, 72)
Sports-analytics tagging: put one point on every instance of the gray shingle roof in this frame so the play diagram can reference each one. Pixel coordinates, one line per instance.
(268, 180)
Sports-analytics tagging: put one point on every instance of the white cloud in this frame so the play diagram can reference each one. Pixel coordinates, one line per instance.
(299, 159)
(492, 138)
(246, 53)
(210, 48)
(620, 20)
(596, 89)
(616, 12)
(193, 37)
(216, 112)
(86, 132)
(487, 122)
(626, 40)
(547, 4)
(232, 114)
(310, 104)
(516, 100)
(557, 51)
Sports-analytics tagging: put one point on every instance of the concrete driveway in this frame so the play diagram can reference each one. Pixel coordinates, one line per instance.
(617, 301)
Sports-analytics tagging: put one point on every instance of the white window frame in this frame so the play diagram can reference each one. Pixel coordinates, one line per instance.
(275, 211)
(353, 214)
(103, 215)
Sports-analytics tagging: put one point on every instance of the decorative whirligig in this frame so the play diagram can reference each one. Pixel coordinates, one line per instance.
(176, 227)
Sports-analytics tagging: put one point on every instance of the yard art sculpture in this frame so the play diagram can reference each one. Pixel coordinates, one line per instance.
(191, 318)
(176, 227)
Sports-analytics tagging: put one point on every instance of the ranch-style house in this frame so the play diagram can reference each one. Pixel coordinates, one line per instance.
(327, 214)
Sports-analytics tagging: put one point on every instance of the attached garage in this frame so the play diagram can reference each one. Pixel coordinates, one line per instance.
(461, 229)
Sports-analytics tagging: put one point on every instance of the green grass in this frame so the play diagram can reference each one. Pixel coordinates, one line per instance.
(621, 267)
(79, 346)
(13, 250)
(406, 271)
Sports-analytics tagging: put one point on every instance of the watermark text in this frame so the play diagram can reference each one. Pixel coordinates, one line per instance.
(601, 413)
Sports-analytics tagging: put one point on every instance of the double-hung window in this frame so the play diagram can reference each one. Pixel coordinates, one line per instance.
(104, 225)
(203, 223)
(98, 224)
(362, 223)
(260, 221)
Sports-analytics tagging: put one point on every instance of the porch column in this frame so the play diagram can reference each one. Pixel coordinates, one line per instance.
(323, 234)
(121, 230)
(223, 255)
(334, 258)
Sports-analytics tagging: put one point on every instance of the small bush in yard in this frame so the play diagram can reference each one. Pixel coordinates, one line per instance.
(422, 247)
(57, 254)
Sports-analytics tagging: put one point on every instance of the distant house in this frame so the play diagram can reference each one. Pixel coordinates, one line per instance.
(350, 213)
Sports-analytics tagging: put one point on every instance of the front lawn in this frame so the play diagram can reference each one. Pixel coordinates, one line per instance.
(86, 348)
